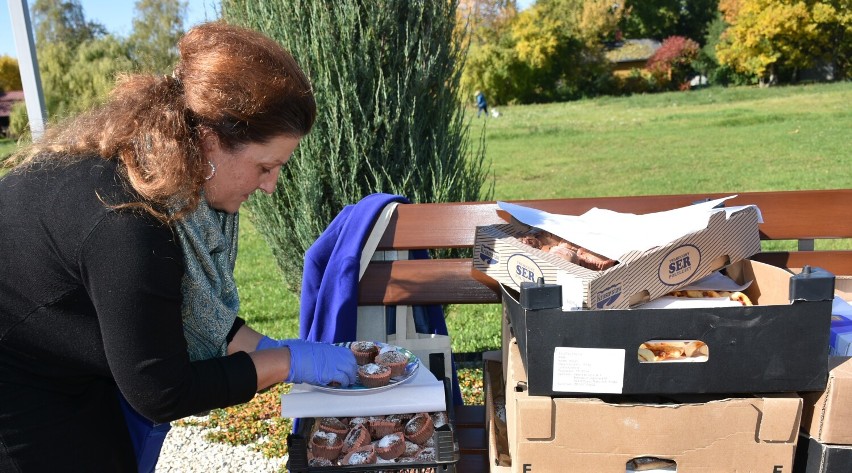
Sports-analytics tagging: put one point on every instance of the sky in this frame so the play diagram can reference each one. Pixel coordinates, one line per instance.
(117, 17)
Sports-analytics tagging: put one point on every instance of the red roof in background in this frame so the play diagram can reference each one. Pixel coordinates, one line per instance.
(9, 99)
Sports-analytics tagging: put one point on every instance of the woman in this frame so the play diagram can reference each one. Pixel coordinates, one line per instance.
(117, 242)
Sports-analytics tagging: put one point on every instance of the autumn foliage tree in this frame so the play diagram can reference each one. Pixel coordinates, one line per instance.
(10, 74)
(766, 37)
(551, 51)
(672, 63)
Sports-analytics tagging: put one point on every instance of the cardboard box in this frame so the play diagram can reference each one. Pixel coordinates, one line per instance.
(776, 346)
(495, 414)
(749, 434)
(816, 457)
(640, 275)
(827, 415)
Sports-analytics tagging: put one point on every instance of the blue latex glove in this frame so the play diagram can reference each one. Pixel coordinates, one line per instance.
(316, 363)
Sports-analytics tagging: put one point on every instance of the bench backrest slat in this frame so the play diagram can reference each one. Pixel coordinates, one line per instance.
(787, 215)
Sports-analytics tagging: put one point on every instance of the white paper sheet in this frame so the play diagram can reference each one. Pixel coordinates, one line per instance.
(613, 234)
(671, 302)
(422, 393)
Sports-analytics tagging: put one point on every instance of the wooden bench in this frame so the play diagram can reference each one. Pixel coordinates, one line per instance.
(803, 216)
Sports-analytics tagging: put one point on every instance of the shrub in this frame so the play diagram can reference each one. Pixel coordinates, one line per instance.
(672, 63)
(19, 122)
(386, 78)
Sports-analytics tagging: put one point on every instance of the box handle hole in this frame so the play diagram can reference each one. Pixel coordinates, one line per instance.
(651, 464)
(668, 351)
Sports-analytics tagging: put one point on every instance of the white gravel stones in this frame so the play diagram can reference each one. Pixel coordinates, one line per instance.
(187, 451)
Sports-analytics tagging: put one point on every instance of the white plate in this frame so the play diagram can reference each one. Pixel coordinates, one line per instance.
(410, 369)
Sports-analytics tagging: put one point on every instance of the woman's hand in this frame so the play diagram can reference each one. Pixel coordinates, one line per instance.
(315, 363)
(320, 363)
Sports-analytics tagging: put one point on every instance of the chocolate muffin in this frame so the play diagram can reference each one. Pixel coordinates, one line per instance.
(419, 429)
(356, 438)
(365, 455)
(373, 375)
(333, 425)
(381, 426)
(391, 446)
(364, 351)
(394, 360)
(320, 461)
(326, 444)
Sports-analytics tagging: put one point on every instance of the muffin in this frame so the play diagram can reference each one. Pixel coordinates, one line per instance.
(419, 429)
(427, 454)
(381, 426)
(411, 450)
(401, 418)
(439, 419)
(326, 445)
(355, 421)
(373, 375)
(365, 455)
(390, 446)
(333, 425)
(364, 351)
(356, 438)
(394, 360)
(320, 461)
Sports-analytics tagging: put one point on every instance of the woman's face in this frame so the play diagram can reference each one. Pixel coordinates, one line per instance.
(245, 169)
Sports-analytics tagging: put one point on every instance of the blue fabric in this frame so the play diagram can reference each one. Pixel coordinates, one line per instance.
(329, 302)
(146, 436)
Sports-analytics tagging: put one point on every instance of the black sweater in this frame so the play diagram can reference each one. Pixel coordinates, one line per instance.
(90, 300)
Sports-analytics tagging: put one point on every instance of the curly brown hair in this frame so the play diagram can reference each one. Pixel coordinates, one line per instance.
(230, 81)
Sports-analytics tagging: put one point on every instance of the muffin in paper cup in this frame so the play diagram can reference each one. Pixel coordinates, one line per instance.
(394, 360)
(390, 446)
(381, 426)
(419, 429)
(373, 375)
(356, 438)
(332, 425)
(365, 455)
(326, 444)
(364, 351)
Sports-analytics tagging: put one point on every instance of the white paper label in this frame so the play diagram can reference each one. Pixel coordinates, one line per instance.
(588, 370)
(572, 290)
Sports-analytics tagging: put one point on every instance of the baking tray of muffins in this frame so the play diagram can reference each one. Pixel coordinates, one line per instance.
(380, 366)
(414, 442)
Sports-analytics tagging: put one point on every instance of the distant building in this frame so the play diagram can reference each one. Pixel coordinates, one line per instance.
(7, 101)
(631, 54)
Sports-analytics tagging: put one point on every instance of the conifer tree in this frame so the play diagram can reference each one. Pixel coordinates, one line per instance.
(386, 77)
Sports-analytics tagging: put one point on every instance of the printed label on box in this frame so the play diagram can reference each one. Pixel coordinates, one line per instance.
(522, 268)
(588, 370)
(679, 265)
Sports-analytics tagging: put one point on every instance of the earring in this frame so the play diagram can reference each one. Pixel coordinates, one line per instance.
(212, 171)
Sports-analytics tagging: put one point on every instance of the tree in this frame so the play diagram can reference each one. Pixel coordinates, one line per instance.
(78, 60)
(768, 36)
(672, 63)
(386, 79)
(157, 27)
(10, 74)
(63, 21)
(659, 19)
